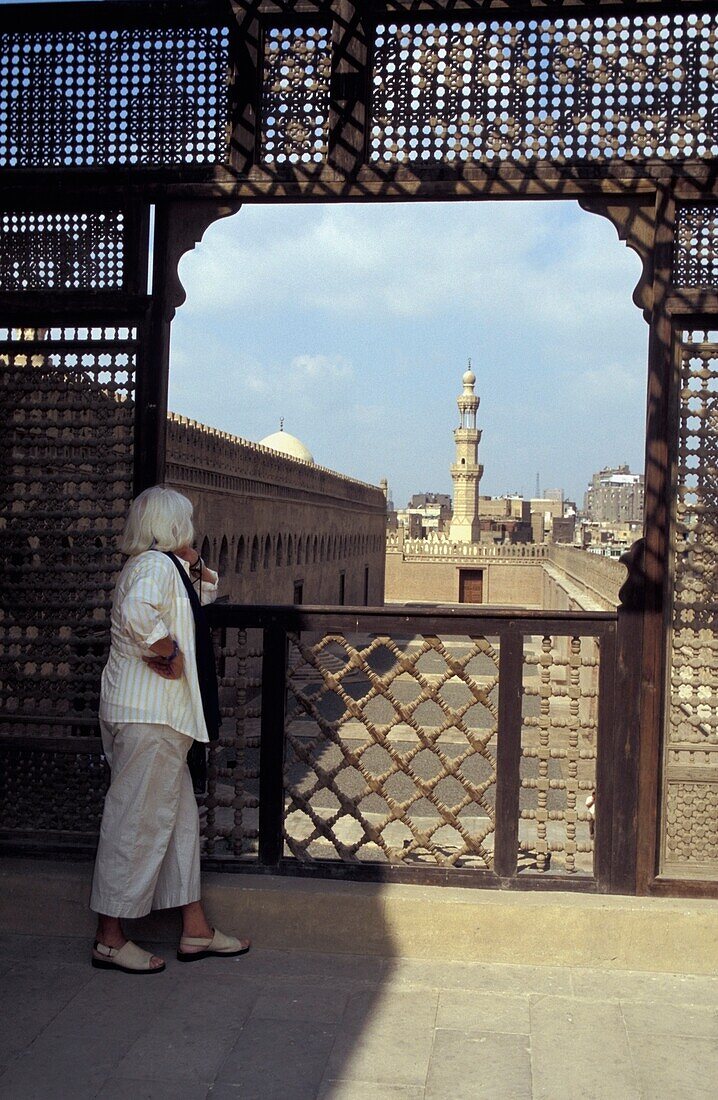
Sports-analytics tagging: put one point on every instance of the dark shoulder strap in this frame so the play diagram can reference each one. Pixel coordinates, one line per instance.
(204, 655)
(193, 597)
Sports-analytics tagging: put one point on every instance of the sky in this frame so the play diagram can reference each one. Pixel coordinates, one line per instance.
(355, 323)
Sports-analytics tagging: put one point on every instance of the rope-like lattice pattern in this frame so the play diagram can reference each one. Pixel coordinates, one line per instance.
(62, 251)
(229, 819)
(558, 750)
(391, 749)
(295, 95)
(696, 251)
(624, 87)
(103, 97)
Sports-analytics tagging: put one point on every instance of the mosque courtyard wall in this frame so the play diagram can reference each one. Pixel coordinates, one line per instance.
(427, 580)
(546, 576)
(279, 529)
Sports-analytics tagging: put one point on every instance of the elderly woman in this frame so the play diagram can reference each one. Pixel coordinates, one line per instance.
(153, 708)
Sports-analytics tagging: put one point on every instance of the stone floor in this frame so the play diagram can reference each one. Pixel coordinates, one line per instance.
(277, 1025)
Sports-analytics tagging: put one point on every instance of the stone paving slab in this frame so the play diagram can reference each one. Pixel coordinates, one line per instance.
(287, 1026)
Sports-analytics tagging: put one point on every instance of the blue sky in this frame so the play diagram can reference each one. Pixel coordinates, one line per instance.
(355, 323)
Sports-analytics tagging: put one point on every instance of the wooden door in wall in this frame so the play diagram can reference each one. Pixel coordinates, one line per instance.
(471, 586)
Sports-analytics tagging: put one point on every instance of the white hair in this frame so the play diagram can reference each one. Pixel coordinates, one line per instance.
(158, 518)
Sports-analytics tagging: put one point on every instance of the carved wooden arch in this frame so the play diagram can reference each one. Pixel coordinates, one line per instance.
(635, 223)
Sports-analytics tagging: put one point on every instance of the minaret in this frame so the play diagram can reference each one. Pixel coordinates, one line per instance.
(466, 472)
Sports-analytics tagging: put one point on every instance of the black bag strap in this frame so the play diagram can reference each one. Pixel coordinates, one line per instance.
(204, 654)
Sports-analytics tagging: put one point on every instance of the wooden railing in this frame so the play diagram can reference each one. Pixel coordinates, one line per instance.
(480, 748)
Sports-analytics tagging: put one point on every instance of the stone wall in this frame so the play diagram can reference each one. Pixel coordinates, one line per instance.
(546, 576)
(429, 570)
(269, 522)
(599, 578)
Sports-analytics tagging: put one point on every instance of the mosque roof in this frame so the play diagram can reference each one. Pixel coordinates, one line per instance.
(287, 444)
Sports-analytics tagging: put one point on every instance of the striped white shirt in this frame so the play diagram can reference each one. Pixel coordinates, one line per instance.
(149, 603)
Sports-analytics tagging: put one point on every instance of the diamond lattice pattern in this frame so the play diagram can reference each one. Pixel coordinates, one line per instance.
(391, 749)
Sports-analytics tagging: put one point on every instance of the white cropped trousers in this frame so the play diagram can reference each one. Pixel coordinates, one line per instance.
(148, 855)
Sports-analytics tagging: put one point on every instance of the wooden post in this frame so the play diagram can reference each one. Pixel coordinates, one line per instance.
(349, 91)
(271, 748)
(153, 364)
(626, 723)
(508, 754)
(245, 90)
(659, 450)
(179, 225)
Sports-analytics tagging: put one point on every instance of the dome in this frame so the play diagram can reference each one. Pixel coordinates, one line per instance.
(468, 378)
(287, 444)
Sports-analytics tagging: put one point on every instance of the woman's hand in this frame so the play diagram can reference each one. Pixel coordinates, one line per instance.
(169, 670)
(190, 555)
(166, 660)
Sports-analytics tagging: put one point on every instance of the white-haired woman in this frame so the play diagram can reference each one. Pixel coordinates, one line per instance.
(153, 708)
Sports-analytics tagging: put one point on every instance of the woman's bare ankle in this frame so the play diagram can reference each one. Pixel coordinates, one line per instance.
(109, 932)
(194, 921)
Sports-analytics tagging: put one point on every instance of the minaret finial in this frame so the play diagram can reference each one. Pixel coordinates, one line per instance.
(281, 423)
(469, 362)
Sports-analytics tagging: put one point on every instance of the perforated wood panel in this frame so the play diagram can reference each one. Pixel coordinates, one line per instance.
(696, 247)
(67, 416)
(690, 826)
(295, 111)
(546, 89)
(78, 250)
(230, 823)
(102, 97)
(66, 421)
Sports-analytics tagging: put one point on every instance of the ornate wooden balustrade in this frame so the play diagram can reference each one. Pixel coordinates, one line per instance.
(468, 747)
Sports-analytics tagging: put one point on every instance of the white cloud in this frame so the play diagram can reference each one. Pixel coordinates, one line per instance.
(394, 262)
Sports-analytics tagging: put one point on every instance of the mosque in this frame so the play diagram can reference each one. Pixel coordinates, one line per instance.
(283, 530)
(465, 564)
(279, 528)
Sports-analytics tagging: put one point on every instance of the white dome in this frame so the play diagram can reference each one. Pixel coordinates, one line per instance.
(287, 444)
(468, 378)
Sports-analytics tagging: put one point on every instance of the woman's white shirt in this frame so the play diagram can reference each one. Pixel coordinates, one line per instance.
(150, 602)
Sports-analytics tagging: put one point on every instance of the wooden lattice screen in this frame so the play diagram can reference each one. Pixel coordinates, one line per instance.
(109, 111)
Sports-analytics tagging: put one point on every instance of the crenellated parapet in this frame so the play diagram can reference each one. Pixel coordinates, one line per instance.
(211, 458)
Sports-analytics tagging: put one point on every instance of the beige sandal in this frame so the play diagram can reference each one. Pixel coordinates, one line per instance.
(130, 958)
(217, 944)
